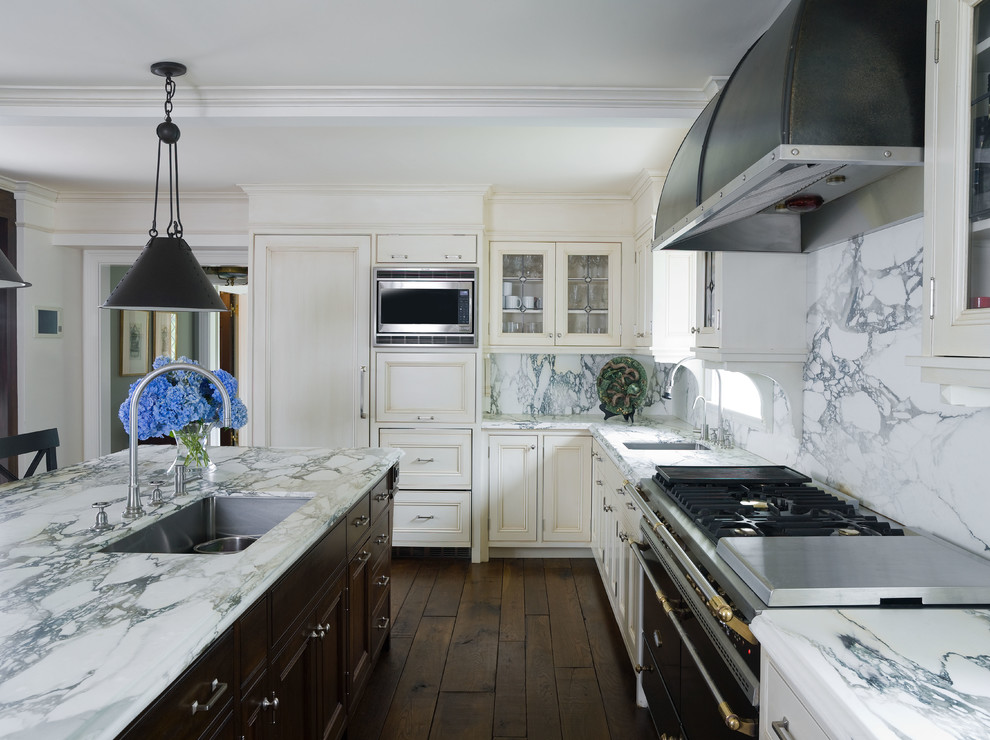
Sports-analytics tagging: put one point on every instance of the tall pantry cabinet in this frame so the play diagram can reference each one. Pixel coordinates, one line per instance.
(311, 340)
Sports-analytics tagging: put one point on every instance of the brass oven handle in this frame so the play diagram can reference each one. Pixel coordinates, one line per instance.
(782, 729)
(716, 604)
(732, 720)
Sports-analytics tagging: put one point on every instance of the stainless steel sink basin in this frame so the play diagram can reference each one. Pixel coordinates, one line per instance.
(238, 520)
(665, 446)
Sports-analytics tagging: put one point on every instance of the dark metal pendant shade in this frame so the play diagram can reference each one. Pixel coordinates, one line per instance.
(166, 277)
(8, 275)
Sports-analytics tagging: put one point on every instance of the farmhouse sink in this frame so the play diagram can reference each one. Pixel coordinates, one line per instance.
(665, 446)
(215, 524)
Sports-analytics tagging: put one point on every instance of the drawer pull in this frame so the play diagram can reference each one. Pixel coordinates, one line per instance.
(782, 729)
(452, 257)
(218, 689)
(630, 505)
(361, 520)
(424, 516)
(425, 459)
(400, 256)
(363, 557)
(381, 539)
(383, 581)
(382, 623)
(381, 496)
(425, 418)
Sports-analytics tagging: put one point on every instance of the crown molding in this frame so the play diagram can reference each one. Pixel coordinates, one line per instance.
(22, 103)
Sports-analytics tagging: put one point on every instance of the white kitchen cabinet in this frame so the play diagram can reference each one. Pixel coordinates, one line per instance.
(539, 488)
(616, 525)
(437, 518)
(435, 459)
(783, 714)
(418, 387)
(426, 248)
(956, 334)
(674, 304)
(643, 298)
(546, 294)
(310, 327)
(750, 306)
(433, 505)
(513, 477)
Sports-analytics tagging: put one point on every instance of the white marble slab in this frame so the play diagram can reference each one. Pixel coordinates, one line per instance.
(88, 639)
(886, 673)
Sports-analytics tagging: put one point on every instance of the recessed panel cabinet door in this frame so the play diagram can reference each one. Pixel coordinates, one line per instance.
(311, 332)
(512, 487)
(566, 488)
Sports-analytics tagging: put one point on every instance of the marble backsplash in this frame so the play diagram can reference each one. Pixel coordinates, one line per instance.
(871, 428)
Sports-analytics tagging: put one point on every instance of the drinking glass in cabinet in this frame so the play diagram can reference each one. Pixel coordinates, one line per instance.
(978, 287)
(512, 266)
(533, 266)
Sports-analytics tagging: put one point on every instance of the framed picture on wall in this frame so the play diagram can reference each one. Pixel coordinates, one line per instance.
(134, 342)
(164, 337)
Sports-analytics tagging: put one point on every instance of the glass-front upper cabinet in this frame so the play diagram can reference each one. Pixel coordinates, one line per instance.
(551, 293)
(957, 181)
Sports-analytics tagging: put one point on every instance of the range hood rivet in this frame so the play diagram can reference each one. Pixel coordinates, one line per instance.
(795, 152)
(888, 155)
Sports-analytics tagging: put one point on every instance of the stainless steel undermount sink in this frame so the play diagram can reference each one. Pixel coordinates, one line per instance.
(215, 524)
(665, 446)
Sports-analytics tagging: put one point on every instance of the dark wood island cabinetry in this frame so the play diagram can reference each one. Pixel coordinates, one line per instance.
(295, 663)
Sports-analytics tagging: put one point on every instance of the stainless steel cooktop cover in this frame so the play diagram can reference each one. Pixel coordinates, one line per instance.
(856, 571)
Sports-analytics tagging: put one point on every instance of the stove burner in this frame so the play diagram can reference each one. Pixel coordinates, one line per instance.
(746, 509)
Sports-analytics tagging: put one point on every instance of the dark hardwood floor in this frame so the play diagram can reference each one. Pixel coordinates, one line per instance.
(523, 648)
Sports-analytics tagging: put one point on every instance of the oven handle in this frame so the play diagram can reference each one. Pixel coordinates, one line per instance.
(715, 603)
(732, 720)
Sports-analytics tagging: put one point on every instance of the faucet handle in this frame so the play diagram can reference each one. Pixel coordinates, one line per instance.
(102, 523)
(156, 494)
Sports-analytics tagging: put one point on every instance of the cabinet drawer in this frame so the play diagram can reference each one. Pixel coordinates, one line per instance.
(358, 523)
(208, 683)
(252, 638)
(381, 495)
(418, 387)
(380, 543)
(445, 248)
(294, 591)
(780, 704)
(436, 459)
(428, 517)
(381, 625)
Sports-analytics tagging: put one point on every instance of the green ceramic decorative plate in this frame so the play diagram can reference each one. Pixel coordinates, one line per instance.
(622, 385)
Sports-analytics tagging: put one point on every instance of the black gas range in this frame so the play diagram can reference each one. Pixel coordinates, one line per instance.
(720, 544)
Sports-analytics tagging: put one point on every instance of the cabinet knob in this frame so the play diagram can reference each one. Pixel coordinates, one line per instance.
(273, 704)
(559, 335)
(695, 330)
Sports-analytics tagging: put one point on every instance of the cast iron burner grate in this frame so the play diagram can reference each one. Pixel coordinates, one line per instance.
(746, 509)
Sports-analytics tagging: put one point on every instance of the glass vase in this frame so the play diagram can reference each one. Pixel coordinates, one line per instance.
(192, 446)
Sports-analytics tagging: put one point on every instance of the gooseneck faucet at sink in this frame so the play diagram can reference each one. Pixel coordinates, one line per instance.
(133, 508)
(704, 415)
(669, 385)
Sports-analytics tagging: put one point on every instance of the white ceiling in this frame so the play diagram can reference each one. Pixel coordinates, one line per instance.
(523, 95)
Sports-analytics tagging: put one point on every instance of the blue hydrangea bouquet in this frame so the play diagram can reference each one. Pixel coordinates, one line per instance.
(184, 405)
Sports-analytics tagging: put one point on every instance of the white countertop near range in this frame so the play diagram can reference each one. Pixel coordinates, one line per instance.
(864, 672)
(87, 639)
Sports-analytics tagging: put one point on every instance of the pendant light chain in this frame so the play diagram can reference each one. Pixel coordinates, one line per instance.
(168, 134)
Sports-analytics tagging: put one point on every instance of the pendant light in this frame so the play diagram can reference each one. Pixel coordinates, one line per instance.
(8, 275)
(166, 276)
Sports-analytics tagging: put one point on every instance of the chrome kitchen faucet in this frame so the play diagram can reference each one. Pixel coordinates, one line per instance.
(133, 509)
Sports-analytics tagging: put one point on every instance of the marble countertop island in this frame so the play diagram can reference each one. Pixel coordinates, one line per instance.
(88, 639)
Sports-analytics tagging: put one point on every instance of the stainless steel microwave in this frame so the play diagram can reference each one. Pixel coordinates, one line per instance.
(425, 306)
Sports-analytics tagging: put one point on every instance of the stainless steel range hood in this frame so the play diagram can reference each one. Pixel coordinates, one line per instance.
(829, 100)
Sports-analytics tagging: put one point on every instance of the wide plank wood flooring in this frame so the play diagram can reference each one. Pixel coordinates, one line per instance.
(523, 648)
